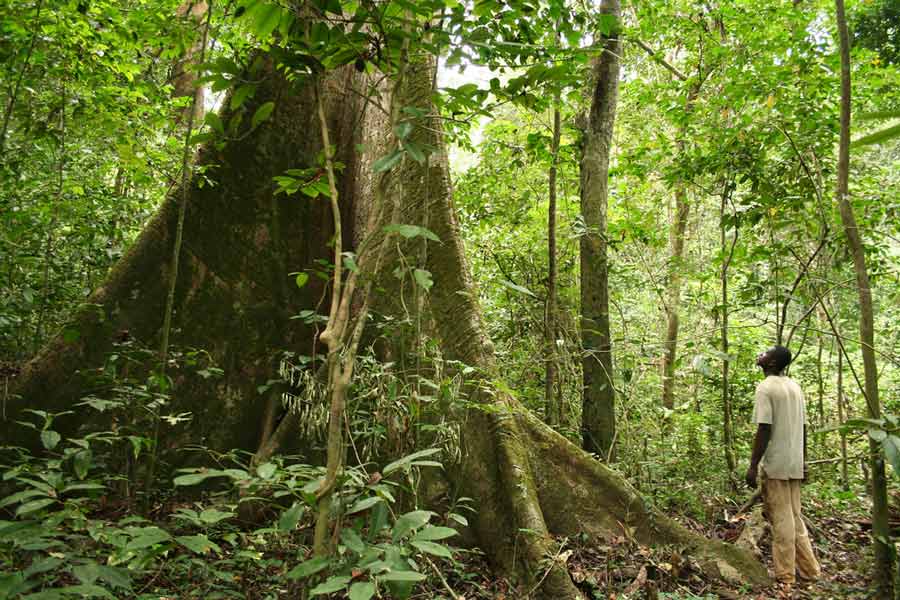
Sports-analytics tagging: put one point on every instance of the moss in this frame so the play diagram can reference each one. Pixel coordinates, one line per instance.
(230, 297)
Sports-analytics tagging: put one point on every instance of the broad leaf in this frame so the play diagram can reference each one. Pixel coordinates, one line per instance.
(309, 567)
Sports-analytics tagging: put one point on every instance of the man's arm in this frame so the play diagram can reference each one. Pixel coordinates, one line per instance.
(763, 435)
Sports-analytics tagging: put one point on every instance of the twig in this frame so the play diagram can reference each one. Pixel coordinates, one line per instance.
(655, 56)
(440, 575)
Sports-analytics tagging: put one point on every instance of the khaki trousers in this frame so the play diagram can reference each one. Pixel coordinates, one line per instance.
(791, 549)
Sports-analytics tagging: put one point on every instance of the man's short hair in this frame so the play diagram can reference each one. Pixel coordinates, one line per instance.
(781, 357)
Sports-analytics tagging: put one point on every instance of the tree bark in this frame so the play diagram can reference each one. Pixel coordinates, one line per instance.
(727, 254)
(529, 482)
(551, 399)
(676, 258)
(598, 396)
(881, 533)
(230, 299)
(184, 76)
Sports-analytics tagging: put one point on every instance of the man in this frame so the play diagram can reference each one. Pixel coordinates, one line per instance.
(780, 447)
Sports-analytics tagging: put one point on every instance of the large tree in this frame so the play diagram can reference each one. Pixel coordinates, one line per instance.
(232, 299)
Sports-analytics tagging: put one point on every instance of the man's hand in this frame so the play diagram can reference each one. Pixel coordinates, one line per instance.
(805, 472)
(750, 477)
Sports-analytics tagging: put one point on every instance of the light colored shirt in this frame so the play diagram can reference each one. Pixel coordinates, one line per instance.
(779, 402)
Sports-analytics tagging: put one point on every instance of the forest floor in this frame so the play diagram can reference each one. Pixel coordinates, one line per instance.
(620, 569)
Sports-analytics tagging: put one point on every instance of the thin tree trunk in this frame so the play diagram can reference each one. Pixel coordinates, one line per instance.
(13, 96)
(845, 481)
(553, 407)
(881, 533)
(820, 383)
(676, 258)
(598, 427)
(673, 295)
(727, 254)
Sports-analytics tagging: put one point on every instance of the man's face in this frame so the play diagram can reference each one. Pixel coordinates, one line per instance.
(763, 359)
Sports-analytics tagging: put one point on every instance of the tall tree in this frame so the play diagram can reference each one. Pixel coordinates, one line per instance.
(552, 401)
(881, 533)
(529, 482)
(598, 415)
(676, 256)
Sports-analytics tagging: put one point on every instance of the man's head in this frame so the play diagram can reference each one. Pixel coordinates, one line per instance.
(774, 360)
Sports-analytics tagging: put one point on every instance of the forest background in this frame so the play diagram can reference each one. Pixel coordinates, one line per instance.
(720, 234)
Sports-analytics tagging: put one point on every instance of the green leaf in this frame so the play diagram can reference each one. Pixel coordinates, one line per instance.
(195, 478)
(211, 516)
(290, 517)
(199, 544)
(352, 540)
(83, 486)
(309, 567)
(361, 590)
(414, 151)
(86, 591)
(879, 115)
(363, 504)
(517, 288)
(262, 113)
(433, 532)
(241, 94)
(117, 578)
(149, 536)
(432, 548)
(266, 470)
(411, 231)
(42, 566)
(87, 573)
(330, 585)
(891, 445)
(301, 279)
(33, 506)
(20, 496)
(408, 460)
(265, 18)
(402, 576)
(385, 163)
(878, 435)
(423, 278)
(878, 137)
(213, 120)
(402, 130)
(410, 521)
(14, 584)
(81, 462)
(50, 439)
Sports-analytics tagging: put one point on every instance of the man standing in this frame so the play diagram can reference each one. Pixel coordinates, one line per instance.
(780, 448)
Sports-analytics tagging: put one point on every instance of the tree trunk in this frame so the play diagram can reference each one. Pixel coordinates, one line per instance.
(184, 74)
(240, 241)
(598, 414)
(551, 399)
(676, 257)
(529, 482)
(673, 295)
(727, 254)
(845, 482)
(881, 533)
